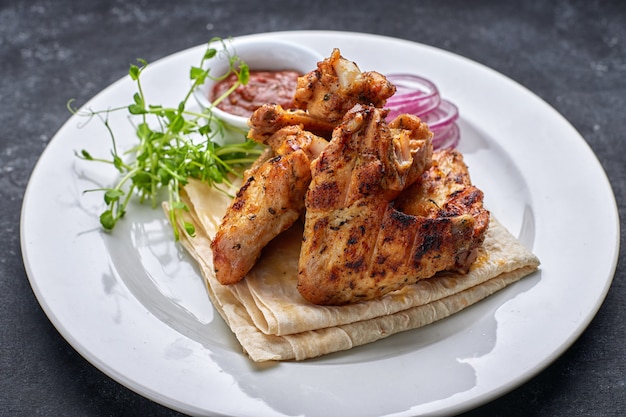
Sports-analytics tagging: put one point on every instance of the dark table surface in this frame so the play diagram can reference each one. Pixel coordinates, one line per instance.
(571, 53)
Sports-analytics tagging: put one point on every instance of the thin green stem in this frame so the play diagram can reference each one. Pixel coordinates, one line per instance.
(167, 153)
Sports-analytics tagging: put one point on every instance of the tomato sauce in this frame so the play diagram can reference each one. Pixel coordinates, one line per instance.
(263, 87)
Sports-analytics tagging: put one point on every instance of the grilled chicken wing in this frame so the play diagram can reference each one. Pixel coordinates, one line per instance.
(269, 202)
(349, 218)
(358, 244)
(323, 97)
(337, 85)
(270, 118)
(446, 191)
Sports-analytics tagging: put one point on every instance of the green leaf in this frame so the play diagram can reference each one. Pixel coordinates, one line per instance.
(197, 74)
(118, 163)
(156, 136)
(107, 220)
(244, 74)
(190, 229)
(86, 155)
(142, 179)
(112, 195)
(136, 109)
(143, 131)
(209, 53)
(179, 205)
(134, 72)
(177, 123)
(164, 176)
(138, 99)
(205, 129)
(169, 114)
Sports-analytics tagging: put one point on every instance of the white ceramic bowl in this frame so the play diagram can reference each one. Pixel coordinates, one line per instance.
(258, 54)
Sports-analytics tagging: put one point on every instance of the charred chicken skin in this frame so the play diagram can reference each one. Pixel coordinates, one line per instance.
(357, 244)
(270, 118)
(337, 85)
(446, 191)
(323, 97)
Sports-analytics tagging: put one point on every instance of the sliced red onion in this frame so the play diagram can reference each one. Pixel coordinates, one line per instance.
(419, 96)
(414, 95)
(444, 115)
(446, 137)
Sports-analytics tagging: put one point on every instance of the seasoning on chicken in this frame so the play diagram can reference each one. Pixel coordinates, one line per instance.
(322, 98)
(357, 245)
(270, 118)
(446, 190)
(337, 85)
(269, 202)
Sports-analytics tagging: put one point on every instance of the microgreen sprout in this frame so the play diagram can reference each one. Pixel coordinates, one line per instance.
(174, 144)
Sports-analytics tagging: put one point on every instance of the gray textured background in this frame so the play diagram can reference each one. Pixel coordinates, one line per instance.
(571, 53)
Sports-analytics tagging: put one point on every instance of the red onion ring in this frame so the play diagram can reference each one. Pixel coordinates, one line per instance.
(444, 115)
(420, 97)
(414, 95)
(446, 137)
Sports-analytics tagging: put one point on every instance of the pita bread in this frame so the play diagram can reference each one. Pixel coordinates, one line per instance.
(273, 322)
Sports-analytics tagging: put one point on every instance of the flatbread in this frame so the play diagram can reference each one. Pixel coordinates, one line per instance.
(272, 321)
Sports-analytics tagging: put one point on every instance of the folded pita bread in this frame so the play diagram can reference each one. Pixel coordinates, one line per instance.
(272, 321)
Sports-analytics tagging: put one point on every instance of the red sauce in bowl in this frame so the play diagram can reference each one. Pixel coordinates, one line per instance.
(263, 87)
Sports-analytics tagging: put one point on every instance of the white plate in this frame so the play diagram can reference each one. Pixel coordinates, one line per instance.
(134, 305)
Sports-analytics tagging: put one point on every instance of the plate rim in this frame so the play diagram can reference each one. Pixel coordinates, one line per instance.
(501, 390)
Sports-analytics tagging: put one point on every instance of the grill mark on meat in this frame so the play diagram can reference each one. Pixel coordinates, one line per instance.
(357, 264)
(239, 203)
(324, 196)
(432, 230)
(403, 219)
